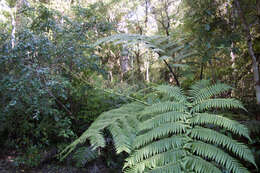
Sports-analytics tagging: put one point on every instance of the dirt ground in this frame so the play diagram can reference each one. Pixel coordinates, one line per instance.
(7, 165)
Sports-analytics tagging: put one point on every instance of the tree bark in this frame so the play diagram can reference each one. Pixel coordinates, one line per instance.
(13, 27)
(251, 52)
(138, 62)
(174, 75)
(147, 78)
(201, 71)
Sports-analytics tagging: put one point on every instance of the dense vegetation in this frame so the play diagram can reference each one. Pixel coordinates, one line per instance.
(132, 85)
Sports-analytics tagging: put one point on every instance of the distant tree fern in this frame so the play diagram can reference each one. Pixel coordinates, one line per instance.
(165, 46)
(176, 135)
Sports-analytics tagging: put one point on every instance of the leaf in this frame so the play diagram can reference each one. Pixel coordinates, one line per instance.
(207, 27)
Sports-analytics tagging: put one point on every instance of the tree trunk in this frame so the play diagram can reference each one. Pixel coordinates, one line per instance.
(255, 64)
(201, 71)
(13, 27)
(147, 78)
(16, 19)
(138, 62)
(233, 56)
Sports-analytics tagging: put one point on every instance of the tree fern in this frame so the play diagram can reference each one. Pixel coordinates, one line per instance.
(159, 44)
(177, 134)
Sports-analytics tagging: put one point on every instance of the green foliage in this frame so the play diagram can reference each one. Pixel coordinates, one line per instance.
(31, 158)
(164, 46)
(177, 134)
(41, 103)
(121, 119)
(84, 155)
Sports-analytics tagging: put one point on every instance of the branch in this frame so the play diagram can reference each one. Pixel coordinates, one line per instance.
(52, 95)
(174, 75)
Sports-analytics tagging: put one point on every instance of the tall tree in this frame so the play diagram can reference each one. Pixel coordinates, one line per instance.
(249, 39)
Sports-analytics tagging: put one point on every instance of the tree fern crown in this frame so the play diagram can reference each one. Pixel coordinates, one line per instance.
(178, 134)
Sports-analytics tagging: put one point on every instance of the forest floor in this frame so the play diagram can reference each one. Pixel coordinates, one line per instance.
(8, 165)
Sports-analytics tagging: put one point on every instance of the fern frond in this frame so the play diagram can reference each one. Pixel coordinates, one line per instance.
(119, 38)
(176, 49)
(131, 123)
(109, 117)
(157, 147)
(96, 140)
(211, 152)
(168, 168)
(168, 157)
(84, 155)
(209, 92)
(95, 132)
(122, 142)
(172, 116)
(173, 92)
(161, 44)
(163, 107)
(217, 103)
(158, 39)
(211, 136)
(184, 55)
(199, 165)
(195, 88)
(231, 125)
(158, 132)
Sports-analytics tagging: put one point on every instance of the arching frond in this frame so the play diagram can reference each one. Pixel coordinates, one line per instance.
(168, 168)
(209, 92)
(109, 120)
(173, 92)
(214, 137)
(158, 160)
(231, 125)
(163, 107)
(199, 165)
(159, 44)
(156, 148)
(217, 103)
(159, 119)
(119, 38)
(122, 141)
(160, 131)
(84, 155)
(195, 88)
(219, 156)
(96, 140)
